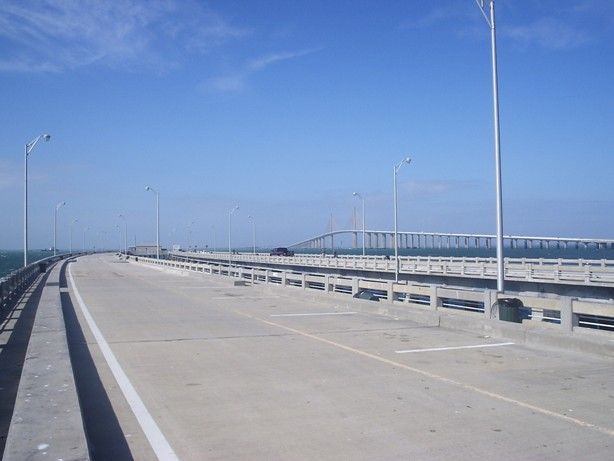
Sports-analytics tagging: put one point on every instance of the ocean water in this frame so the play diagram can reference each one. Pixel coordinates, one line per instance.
(13, 259)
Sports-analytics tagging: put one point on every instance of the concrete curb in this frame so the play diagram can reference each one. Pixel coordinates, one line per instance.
(47, 422)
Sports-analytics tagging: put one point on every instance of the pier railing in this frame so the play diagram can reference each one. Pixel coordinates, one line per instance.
(14, 283)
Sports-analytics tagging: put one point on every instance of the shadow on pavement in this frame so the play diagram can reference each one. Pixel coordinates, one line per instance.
(105, 437)
(13, 353)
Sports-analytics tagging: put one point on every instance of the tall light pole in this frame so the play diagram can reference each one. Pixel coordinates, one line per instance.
(396, 238)
(84, 232)
(55, 226)
(190, 233)
(356, 194)
(121, 216)
(119, 234)
(157, 220)
(230, 213)
(490, 20)
(253, 221)
(70, 233)
(28, 148)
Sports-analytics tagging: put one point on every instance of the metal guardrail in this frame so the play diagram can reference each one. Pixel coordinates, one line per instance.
(567, 313)
(538, 270)
(13, 284)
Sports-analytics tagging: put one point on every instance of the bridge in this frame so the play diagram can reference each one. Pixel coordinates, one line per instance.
(118, 358)
(385, 239)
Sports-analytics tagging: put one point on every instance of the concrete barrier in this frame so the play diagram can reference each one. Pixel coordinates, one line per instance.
(47, 422)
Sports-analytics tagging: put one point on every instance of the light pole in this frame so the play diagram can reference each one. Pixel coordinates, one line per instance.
(121, 216)
(230, 213)
(251, 219)
(55, 226)
(157, 220)
(119, 234)
(396, 242)
(70, 232)
(84, 232)
(356, 194)
(28, 148)
(490, 20)
(190, 234)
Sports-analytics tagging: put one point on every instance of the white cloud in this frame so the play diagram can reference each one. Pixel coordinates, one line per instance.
(548, 33)
(236, 81)
(56, 35)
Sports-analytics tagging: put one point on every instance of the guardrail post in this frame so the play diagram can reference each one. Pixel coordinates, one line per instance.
(303, 281)
(354, 286)
(435, 300)
(253, 275)
(284, 278)
(390, 291)
(490, 298)
(266, 276)
(327, 283)
(568, 318)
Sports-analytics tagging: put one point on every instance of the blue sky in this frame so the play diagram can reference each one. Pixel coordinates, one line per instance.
(287, 107)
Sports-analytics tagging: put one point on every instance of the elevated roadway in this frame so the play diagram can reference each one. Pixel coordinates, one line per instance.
(219, 371)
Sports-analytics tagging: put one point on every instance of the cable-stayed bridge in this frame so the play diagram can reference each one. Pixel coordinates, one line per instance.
(405, 239)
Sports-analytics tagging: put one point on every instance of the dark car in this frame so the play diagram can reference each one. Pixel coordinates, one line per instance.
(281, 251)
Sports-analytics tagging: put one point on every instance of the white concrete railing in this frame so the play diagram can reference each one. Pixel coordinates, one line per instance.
(557, 271)
(548, 310)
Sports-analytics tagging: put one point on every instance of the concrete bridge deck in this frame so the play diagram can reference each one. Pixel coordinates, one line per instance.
(219, 371)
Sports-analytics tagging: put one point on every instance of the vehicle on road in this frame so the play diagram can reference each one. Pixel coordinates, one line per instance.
(281, 251)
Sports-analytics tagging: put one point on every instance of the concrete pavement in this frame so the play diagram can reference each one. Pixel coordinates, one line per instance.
(261, 373)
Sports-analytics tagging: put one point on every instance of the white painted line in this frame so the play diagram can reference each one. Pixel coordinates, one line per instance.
(244, 298)
(312, 313)
(477, 346)
(156, 438)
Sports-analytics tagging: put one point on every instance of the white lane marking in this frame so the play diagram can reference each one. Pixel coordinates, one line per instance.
(477, 346)
(244, 298)
(312, 313)
(443, 379)
(156, 438)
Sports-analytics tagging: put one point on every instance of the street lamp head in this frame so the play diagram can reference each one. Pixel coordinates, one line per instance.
(46, 137)
(407, 160)
(147, 188)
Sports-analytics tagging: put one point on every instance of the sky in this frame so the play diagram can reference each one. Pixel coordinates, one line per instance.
(286, 108)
